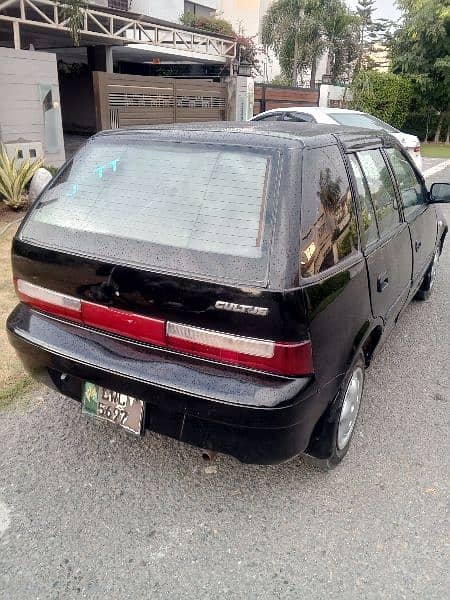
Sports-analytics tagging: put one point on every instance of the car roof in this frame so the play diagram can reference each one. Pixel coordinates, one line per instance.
(258, 133)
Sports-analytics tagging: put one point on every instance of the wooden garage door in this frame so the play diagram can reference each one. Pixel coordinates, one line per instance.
(133, 100)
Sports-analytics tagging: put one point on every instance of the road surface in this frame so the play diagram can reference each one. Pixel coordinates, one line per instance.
(89, 512)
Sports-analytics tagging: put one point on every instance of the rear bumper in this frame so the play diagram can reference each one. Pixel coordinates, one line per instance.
(254, 417)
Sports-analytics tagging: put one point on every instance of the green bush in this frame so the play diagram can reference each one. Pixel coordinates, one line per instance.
(213, 24)
(247, 48)
(281, 81)
(51, 169)
(384, 95)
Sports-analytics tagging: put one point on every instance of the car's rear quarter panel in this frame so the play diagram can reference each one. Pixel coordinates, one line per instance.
(339, 318)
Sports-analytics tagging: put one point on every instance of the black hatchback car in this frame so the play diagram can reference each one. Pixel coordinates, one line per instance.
(224, 284)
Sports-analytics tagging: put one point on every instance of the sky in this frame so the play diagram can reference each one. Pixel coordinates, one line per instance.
(385, 8)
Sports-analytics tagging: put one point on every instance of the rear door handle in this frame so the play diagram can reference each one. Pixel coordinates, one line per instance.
(417, 245)
(382, 281)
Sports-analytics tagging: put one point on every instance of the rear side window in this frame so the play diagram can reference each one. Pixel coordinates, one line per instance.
(361, 120)
(413, 192)
(328, 225)
(179, 206)
(297, 117)
(368, 223)
(274, 117)
(381, 189)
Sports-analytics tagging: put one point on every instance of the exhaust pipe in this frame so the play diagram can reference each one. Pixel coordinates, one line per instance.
(208, 455)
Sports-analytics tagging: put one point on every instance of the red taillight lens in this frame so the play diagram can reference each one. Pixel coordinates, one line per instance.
(139, 327)
(284, 358)
(417, 149)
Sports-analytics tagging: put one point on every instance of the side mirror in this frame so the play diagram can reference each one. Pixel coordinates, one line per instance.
(440, 193)
(38, 183)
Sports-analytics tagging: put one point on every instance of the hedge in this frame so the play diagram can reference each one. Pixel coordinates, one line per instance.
(384, 95)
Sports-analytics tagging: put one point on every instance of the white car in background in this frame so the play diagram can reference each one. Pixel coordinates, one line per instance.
(342, 116)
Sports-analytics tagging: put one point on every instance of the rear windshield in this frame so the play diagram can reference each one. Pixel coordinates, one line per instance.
(181, 207)
(361, 120)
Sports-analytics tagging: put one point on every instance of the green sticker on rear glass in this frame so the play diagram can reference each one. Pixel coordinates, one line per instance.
(90, 398)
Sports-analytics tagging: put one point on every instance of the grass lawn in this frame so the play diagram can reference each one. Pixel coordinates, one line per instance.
(436, 150)
(13, 379)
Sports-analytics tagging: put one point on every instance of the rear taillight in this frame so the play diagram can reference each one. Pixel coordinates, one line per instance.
(186, 336)
(277, 357)
(416, 149)
(48, 300)
(284, 358)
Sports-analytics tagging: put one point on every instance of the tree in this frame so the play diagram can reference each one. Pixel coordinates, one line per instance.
(73, 11)
(372, 34)
(300, 31)
(364, 10)
(421, 50)
(284, 30)
(341, 26)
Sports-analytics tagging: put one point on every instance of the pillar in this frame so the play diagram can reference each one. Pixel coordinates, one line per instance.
(100, 58)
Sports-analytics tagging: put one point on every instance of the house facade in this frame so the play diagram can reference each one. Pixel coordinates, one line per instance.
(166, 10)
(246, 16)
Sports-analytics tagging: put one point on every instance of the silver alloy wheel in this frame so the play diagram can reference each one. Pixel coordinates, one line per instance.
(434, 266)
(350, 408)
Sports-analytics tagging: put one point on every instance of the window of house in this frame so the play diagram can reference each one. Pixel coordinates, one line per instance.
(368, 222)
(381, 189)
(414, 194)
(119, 4)
(328, 224)
(198, 9)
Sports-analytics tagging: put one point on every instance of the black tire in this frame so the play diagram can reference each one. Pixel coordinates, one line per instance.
(426, 287)
(324, 450)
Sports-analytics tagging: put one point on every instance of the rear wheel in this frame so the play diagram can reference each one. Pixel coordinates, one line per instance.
(424, 292)
(332, 437)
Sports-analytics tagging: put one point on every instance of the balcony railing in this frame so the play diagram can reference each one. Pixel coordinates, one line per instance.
(112, 27)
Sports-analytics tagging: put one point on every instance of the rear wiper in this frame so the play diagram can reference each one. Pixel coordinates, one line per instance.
(42, 203)
(71, 194)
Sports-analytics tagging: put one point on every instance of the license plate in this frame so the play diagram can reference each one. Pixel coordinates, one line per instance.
(122, 410)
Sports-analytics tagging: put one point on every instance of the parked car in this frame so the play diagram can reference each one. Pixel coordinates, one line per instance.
(342, 116)
(223, 284)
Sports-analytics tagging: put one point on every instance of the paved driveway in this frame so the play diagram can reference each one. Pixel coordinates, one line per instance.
(436, 168)
(88, 512)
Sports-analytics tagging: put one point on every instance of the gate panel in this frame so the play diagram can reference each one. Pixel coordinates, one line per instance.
(135, 100)
(268, 97)
(198, 100)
